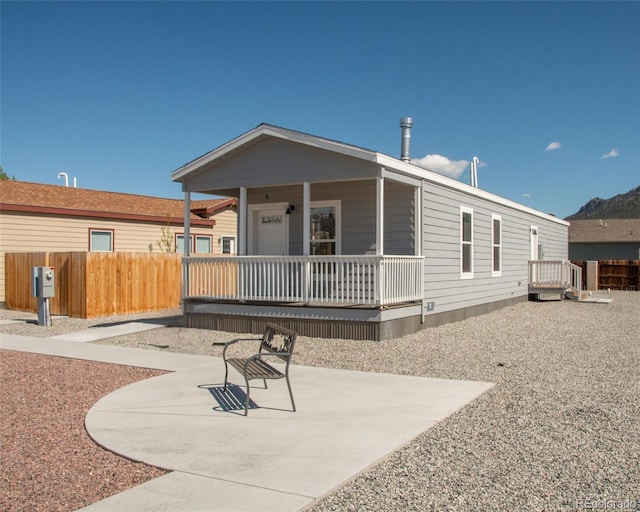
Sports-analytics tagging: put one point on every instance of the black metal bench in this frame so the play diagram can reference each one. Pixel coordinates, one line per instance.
(276, 342)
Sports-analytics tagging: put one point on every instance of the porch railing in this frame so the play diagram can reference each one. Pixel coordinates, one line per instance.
(356, 280)
(555, 274)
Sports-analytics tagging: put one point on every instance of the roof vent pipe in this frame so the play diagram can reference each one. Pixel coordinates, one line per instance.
(405, 123)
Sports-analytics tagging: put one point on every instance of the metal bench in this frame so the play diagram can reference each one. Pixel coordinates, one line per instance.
(276, 342)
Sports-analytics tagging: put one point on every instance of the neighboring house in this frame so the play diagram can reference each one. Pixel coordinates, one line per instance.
(604, 239)
(340, 241)
(36, 217)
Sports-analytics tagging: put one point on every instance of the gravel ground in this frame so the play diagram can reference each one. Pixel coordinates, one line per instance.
(559, 431)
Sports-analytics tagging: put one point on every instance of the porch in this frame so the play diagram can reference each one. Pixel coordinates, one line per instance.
(555, 277)
(358, 297)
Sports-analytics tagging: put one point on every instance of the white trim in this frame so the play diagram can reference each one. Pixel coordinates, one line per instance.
(463, 210)
(111, 233)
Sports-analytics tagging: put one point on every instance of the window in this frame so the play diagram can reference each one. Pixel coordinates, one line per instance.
(325, 228)
(466, 242)
(101, 240)
(228, 244)
(180, 243)
(496, 244)
(203, 244)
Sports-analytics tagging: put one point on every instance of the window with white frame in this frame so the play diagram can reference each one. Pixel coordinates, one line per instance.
(466, 242)
(101, 240)
(228, 244)
(326, 226)
(496, 245)
(203, 244)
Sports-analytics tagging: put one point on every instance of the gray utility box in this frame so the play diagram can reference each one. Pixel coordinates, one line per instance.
(43, 282)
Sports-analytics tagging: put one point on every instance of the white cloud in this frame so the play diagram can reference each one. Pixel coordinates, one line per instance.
(442, 165)
(526, 194)
(553, 145)
(611, 154)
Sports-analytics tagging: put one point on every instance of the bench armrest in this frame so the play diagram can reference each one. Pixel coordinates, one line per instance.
(231, 342)
(227, 344)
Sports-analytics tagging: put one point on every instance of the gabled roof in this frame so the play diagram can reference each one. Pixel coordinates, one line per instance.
(267, 130)
(55, 199)
(400, 167)
(605, 230)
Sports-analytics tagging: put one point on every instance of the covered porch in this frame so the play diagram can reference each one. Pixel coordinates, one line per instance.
(328, 235)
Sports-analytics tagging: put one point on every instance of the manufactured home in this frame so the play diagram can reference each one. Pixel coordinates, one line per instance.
(335, 240)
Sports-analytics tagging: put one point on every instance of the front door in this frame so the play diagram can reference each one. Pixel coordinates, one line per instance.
(269, 233)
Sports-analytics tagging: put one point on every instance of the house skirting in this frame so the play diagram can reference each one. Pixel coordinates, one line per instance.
(355, 323)
(436, 319)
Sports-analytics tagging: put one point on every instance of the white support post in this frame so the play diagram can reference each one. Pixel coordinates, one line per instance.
(242, 222)
(417, 220)
(187, 223)
(306, 238)
(379, 215)
(306, 218)
(187, 247)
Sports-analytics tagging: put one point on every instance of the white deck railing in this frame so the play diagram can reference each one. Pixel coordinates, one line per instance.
(356, 280)
(554, 274)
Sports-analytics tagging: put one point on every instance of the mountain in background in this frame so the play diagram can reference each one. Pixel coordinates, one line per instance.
(622, 206)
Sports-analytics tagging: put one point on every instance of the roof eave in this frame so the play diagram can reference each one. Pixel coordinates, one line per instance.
(434, 177)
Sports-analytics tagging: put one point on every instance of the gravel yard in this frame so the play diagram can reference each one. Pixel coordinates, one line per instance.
(559, 431)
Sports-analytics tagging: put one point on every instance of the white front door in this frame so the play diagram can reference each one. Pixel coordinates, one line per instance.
(269, 231)
(534, 243)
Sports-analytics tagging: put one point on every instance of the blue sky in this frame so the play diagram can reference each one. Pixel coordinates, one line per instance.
(119, 94)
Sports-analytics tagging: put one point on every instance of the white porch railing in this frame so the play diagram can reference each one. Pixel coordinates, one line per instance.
(354, 280)
(555, 274)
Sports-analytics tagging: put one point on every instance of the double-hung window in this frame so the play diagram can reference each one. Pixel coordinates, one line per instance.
(496, 245)
(466, 242)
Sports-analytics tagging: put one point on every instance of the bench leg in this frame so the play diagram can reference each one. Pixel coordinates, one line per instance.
(290, 393)
(226, 374)
(246, 403)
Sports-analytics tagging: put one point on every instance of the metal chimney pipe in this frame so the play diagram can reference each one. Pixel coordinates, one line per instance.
(405, 123)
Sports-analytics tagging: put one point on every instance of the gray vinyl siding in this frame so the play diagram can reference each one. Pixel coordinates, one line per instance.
(273, 162)
(358, 207)
(443, 283)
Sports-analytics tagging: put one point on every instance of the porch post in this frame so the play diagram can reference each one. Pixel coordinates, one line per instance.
(417, 220)
(380, 237)
(187, 247)
(187, 223)
(379, 216)
(306, 239)
(242, 222)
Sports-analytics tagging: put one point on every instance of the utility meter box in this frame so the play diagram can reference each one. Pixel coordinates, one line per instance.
(44, 280)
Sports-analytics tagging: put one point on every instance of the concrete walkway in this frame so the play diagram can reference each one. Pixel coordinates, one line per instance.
(272, 460)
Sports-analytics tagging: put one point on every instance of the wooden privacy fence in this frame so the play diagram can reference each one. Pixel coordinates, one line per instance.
(617, 274)
(95, 284)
